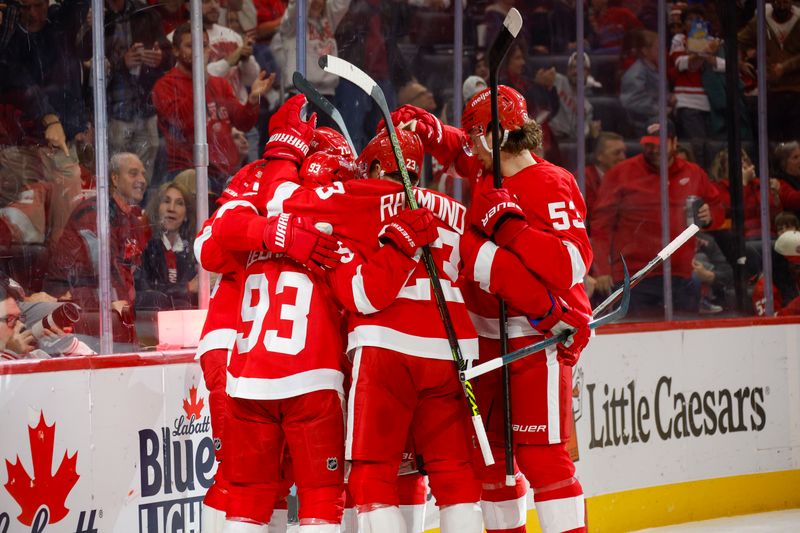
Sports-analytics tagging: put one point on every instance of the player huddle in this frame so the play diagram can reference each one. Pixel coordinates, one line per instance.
(324, 351)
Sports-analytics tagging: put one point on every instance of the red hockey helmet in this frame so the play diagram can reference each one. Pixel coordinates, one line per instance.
(380, 149)
(242, 182)
(329, 140)
(511, 109)
(320, 169)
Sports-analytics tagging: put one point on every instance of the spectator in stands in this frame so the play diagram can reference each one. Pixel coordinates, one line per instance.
(138, 54)
(481, 67)
(41, 52)
(639, 88)
(691, 53)
(367, 37)
(324, 17)
(73, 271)
(783, 66)
(565, 122)
(685, 153)
(627, 220)
(242, 146)
(718, 173)
(269, 14)
(168, 276)
(788, 246)
(786, 285)
(609, 150)
(230, 55)
(608, 25)
(172, 97)
(512, 72)
(240, 16)
(472, 86)
(787, 172)
(711, 269)
(37, 308)
(720, 176)
(16, 342)
(173, 13)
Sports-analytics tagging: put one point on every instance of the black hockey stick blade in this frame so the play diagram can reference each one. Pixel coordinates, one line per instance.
(507, 359)
(512, 25)
(312, 95)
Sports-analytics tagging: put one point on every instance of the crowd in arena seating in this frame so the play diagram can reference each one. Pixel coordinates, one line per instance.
(48, 233)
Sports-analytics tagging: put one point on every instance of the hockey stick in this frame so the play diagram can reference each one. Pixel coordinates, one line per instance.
(502, 43)
(353, 74)
(623, 291)
(660, 257)
(507, 359)
(312, 95)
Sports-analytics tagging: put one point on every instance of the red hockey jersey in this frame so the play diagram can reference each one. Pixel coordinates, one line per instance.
(219, 331)
(357, 211)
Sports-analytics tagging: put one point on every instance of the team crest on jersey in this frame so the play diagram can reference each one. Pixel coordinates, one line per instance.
(333, 463)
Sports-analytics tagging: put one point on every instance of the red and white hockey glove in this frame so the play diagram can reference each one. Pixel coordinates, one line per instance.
(421, 122)
(300, 240)
(289, 134)
(561, 318)
(491, 208)
(410, 229)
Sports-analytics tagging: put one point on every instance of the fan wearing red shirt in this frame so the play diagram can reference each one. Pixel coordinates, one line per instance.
(172, 97)
(608, 151)
(626, 220)
(537, 217)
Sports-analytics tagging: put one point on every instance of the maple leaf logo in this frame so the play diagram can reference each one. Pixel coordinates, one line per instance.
(193, 406)
(45, 489)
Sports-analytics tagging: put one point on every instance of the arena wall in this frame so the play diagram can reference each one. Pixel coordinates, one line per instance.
(673, 425)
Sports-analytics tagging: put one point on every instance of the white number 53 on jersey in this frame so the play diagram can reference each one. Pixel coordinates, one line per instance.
(256, 289)
(560, 216)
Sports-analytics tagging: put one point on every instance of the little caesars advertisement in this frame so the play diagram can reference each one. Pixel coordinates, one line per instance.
(673, 406)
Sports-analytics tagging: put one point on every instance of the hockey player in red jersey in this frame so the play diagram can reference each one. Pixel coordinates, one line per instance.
(217, 340)
(284, 385)
(538, 216)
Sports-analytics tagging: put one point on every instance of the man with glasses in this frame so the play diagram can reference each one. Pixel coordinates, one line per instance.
(16, 342)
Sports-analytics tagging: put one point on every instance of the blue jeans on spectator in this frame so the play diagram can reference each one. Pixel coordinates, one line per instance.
(359, 112)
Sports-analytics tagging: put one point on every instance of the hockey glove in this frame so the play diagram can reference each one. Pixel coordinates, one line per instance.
(410, 229)
(289, 134)
(491, 208)
(300, 240)
(561, 318)
(421, 122)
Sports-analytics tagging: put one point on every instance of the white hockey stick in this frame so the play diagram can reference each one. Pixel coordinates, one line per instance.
(623, 291)
(353, 74)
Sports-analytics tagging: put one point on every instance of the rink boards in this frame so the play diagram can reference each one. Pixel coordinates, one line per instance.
(673, 425)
